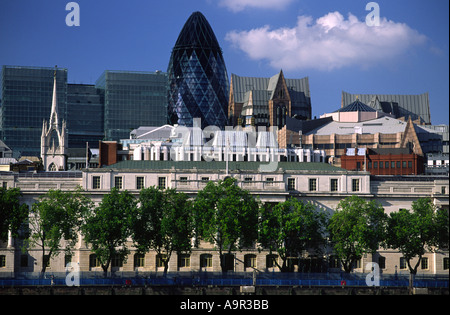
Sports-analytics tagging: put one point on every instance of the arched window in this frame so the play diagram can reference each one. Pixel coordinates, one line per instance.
(52, 168)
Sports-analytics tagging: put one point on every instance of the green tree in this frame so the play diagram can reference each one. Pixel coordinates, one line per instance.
(107, 228)
(55, 221)
(356, 228)
(227, 216)
(417, 231)
(291, 227)
(12, 213)
(162, 222)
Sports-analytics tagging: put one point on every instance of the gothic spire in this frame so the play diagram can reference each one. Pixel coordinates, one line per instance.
(54, 122)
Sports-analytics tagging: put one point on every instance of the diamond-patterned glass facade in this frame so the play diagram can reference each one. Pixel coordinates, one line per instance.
(198, 80)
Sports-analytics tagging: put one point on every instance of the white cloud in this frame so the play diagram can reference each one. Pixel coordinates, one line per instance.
(327, 43)
(240, 5)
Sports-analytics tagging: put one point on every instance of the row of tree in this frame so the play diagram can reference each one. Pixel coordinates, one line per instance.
(168, 221)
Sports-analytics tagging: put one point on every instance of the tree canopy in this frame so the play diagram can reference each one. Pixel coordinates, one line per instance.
(356, 228)
(227, 216)
(291, 227)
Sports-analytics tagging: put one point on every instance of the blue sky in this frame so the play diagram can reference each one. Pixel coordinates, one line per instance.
(326, 40)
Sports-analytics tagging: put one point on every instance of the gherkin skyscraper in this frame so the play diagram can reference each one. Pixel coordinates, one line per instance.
(198, 80)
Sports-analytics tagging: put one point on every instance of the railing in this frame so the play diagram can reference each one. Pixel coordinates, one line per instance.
(230, 279)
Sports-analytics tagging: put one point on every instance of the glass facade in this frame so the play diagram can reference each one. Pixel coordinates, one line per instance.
(85, 115)
(26, 94)
(131, 100)
(198, 80)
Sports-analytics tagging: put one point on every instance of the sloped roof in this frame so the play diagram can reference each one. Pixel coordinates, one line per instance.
(357, 106)
(413, 106)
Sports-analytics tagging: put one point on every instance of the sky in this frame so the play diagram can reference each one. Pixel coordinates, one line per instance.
(337, 44)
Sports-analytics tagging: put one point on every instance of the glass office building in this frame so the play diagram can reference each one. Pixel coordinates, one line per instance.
(132, 99)
(85, 111)
(26, 94)
(198, 80)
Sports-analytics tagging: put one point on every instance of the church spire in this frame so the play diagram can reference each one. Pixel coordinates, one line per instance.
(54, 113)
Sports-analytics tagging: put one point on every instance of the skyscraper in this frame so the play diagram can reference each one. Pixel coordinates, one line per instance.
(26, 94)
(198, 80)
(132, 99)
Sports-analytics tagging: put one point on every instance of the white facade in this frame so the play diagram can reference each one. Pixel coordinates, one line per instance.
(317, 183)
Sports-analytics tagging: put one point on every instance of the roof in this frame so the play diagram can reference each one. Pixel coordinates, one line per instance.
(196, 33)
(216, 166)
(357, 106)
(384, 125)
(298, 88)
(399, 105)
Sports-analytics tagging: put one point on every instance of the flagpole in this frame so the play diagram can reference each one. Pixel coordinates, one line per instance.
(87, 155)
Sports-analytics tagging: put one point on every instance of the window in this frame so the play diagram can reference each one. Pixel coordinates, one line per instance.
(392, 164)
(250, 261)
(291, 184)
(382, 262)
(118, 182)
(334, 184)
(402, 263)
(404, 164)
(248, 179)
(358, 166)
(162, 182)
(206, 261)
(117, 261)
(446, 267)
(93, 261)
(139, 182)
(2, 261)
(375, 165)
(271, 261)
(24, 260)
(386, 164)
(139, 260)
(399, 164)
(160, 259)
(269, 181)
(381, 165)
(355, 184)
(67, 259)
(409, 164)
(334, 262)
(96, 182)
(184, 261)
(205, 179)
(312, 184)
(183, 180)
(424, 263)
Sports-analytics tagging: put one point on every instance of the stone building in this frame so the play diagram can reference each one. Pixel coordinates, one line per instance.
(319, 183)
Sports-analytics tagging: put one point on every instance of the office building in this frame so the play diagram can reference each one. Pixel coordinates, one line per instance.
(26, 94)
(85, 112)
(198, 80)
(132, 99)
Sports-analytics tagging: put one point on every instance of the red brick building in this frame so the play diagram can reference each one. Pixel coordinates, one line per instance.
(385, 162)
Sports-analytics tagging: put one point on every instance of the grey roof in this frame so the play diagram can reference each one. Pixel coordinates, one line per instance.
(399, 105)
(298, 88)
(385, 125)
(357, 106)
(132, 165)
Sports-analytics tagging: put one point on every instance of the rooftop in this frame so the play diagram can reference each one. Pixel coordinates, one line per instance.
(216, 166)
